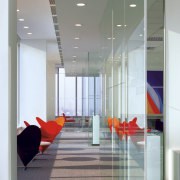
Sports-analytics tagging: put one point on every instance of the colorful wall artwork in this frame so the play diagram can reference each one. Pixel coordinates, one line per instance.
(155, 92)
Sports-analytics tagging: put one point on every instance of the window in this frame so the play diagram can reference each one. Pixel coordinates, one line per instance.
(77, 96)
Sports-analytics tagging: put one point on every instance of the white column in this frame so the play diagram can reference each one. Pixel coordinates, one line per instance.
(8, 90)
(50, 91)
(172, 129)
(32, 85)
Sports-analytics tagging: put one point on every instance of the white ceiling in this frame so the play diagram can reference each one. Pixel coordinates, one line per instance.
(37, 15)
(89, 16)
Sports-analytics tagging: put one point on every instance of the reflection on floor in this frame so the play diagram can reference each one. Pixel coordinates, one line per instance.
(72, 157)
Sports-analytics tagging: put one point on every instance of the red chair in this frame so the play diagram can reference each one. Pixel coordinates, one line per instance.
(68, 120)
(136, 133)
(49, 130)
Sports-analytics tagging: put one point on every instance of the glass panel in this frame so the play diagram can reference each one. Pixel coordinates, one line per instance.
(123, 75)
(70, 96)
(79, 96)
(85, 96)
(67, 94)
(106, 137)
(98, 96)
(56, 94)
(155, 86)
(91, 96)
(61, 91)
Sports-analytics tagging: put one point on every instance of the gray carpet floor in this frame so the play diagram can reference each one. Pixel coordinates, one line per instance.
(72, 156)
(69, 157)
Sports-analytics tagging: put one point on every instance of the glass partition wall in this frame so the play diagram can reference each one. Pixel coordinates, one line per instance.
(130, 64)
(155, 84)
(122, 67)
(124, 87)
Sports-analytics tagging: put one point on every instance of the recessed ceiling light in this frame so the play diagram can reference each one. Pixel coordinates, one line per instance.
(80, 4)
(76, 47)
(17, 10)
(26, 27)
(76, 38)
(125, 25)
(140, 35)
(53, 5)
(118, 25)
(132, 5)
(21, 19)
(74, 56)
(78, 25)
(29, 33)
(110, 38)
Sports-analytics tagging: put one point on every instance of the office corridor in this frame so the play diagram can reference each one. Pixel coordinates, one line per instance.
(70, 157)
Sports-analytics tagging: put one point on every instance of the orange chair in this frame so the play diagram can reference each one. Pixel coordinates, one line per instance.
(110, 123)
(118, 126)
(127, 129)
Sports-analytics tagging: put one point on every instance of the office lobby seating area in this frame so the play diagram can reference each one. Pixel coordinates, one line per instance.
(71, 156)
(90, 90)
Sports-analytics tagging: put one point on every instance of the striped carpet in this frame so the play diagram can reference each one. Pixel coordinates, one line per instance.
(70, 157)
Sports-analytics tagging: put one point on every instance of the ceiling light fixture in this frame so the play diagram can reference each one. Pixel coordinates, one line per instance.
(21, 19)
(76, 47)
(29, 33)
(132, 5)
(26, 27)
(118, 25)
(110, 38)
(76, 38)
(125, 25)
(78, 25)
(140, 35)
(17, 10)
(80, 4)
(74, 56)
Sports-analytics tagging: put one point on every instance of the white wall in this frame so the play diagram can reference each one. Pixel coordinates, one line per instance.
(172, 83)
(8, 93)
(50, 90)
(32, 85)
